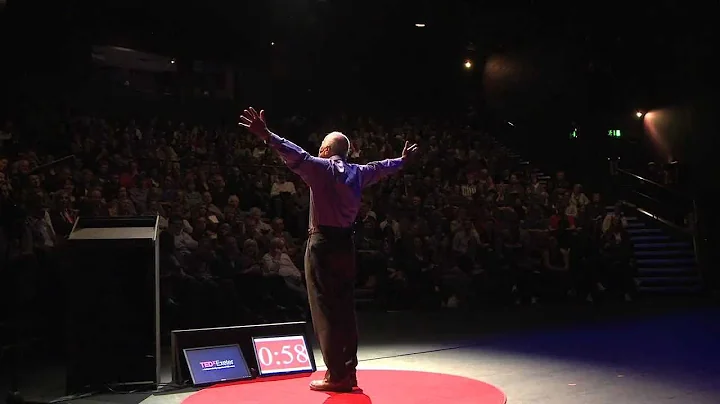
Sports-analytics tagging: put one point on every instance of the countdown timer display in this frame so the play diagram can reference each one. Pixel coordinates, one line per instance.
(278, 355)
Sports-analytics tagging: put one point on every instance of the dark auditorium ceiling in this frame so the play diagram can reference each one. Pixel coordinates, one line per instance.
(221, 28)
(639, 43)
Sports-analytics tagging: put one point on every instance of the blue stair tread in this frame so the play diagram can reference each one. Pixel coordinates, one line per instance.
(635, 225)
(676, 280)
(645, 230)
(661, 253)
(649, 238)
(652, 246)
(671, 289)
(668, 271)
(666, 261)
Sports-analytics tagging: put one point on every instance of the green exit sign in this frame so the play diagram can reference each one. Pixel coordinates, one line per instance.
(614, 133)
(573, 134)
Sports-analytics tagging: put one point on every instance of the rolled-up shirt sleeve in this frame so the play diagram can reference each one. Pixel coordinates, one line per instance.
(297, 159)
(373, 172)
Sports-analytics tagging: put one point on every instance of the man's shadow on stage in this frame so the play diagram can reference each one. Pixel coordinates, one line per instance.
(355, 397)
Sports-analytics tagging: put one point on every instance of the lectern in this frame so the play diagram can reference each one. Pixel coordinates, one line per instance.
(113, 303)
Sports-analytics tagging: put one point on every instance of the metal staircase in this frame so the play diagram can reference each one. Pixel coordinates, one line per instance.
(665, 258)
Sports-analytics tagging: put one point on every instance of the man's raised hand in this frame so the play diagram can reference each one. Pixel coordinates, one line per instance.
(409, 150)
(255, 123)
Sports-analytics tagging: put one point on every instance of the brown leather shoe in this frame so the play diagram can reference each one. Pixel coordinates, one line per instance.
(344, 386)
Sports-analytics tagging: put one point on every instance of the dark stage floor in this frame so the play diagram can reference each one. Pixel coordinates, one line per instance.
(630, 354)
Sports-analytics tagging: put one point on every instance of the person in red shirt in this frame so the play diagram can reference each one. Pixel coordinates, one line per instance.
(127, 179)
(559, 220)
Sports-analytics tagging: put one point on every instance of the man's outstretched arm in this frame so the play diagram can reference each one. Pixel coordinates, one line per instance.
(297, 159)
(377, 170)
(293, 155)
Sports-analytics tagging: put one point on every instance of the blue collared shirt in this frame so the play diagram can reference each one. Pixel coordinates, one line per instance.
(335, 185)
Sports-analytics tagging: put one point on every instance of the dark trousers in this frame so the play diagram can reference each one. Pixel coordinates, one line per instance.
(330, 276)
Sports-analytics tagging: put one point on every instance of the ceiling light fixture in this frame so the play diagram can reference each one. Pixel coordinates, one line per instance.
(420, 25)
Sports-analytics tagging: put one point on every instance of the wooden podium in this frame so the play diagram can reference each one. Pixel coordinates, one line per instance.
(113, 303)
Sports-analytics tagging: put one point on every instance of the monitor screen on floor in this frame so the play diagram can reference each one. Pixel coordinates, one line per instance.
(285, 354)
(216, 364)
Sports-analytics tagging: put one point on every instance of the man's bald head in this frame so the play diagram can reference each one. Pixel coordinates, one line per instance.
(335, 144)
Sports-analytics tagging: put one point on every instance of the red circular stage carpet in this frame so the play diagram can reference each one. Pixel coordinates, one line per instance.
(376, 387)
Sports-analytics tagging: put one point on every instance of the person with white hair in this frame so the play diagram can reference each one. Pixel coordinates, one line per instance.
(256, 214)
(330, 269)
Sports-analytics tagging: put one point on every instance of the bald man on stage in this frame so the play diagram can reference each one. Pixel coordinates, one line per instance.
(335, 190)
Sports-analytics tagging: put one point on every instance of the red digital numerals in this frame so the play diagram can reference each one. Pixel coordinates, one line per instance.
(282, 354)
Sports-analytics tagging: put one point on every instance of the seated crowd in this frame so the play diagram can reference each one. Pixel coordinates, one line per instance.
(466, 224)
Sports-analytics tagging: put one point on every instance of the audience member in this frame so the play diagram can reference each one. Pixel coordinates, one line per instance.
(448, 232)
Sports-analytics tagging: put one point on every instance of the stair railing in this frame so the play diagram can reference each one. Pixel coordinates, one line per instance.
(672, 205)
(674, 208)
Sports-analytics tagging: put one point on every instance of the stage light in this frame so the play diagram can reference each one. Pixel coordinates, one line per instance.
(420, 25)
(272, 43)
(172, 61)
(468, 64)
(639, 114)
